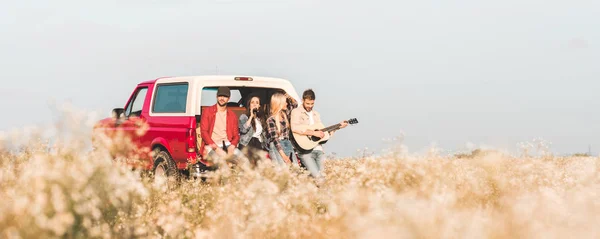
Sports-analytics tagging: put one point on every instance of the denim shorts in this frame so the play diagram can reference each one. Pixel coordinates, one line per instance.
(287, 148)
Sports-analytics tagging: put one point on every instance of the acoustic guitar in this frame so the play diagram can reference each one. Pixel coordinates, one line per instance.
(306, 143)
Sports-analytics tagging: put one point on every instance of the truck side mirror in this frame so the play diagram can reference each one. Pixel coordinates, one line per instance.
(117, 113)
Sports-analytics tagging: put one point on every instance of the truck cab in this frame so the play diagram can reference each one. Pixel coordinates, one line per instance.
(157, 129)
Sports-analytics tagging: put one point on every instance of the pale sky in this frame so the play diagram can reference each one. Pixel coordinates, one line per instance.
(450, 72)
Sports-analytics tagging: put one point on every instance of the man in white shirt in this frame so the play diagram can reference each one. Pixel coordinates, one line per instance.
(306, 115)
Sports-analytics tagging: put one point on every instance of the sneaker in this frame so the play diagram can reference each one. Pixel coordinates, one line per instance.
(196, 171)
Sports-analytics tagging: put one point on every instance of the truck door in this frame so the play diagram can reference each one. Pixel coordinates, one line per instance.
(134, 122)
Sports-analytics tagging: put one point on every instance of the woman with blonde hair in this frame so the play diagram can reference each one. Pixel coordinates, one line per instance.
(278, 129)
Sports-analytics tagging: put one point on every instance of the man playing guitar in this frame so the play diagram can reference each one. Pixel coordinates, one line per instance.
(305, 116)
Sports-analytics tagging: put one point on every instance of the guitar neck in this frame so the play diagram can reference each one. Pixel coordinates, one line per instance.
(338, 125)
(332, 128)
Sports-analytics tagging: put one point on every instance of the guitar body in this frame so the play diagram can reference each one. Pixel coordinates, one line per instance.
(307, 143)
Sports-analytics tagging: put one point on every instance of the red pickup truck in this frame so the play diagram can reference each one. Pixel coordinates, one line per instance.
(160, 119)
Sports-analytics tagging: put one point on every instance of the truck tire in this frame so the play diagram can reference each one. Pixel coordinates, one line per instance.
(165, 169)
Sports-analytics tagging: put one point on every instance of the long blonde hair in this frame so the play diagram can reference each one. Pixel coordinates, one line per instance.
(278, 101)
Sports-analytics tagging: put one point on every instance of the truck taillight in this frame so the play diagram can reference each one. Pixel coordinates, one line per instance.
(191, 141)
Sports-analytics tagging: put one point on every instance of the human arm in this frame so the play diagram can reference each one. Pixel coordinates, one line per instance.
(317, 118)
(295, 120)
(236, 131)
(343, 124)
(244, 124)
(272, 133)
(272, 136)
(286, 158)
(309, 132)
(296, 125)
(291, 103)
(204, 131)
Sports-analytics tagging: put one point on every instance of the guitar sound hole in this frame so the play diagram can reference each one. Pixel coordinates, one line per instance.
(314, 138)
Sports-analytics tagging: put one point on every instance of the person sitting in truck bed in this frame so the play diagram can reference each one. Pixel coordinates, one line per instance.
(280, 146)
(219, 127)
(251, 126)
(253, 139)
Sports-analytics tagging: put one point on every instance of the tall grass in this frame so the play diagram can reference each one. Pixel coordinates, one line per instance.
(64, 190)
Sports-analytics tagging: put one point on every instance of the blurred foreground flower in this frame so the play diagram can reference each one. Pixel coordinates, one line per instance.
(64, 190)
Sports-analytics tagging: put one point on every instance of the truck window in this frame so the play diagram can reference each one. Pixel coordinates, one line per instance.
(170, 98)
(209, 96)
(135, 106)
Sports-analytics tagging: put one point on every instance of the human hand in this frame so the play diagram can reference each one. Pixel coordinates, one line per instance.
(319, 134)
(289, 97)
(286, 159)
(343, 124)
(230, 150)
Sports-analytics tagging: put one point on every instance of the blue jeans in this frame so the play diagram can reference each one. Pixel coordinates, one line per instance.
(313, 162)
(287, 149)
(212, 154)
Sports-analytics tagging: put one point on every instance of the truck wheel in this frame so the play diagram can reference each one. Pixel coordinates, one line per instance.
(165, 170)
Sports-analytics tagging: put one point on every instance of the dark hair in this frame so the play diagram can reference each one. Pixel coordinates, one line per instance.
(308, 95)
(258, 115)
(266, 108)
